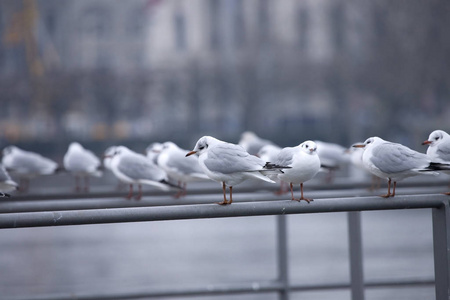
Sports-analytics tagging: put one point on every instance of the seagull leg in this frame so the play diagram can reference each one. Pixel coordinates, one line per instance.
(139, 195)
(282, 190)
(231, 195)
(292, 190)
(393, 191)
(389, 190)
(303, 198)
(224, 202)
(130, 193)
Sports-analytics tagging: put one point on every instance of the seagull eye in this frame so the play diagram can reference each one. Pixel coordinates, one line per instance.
(436, 138)
(306, 146)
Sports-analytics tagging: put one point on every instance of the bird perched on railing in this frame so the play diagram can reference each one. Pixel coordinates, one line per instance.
(439, 147)
(6, 183)
(134, 168)
(81, 163)
(173, 160)
(304, 164)
(396, 162)
(27, 165)
(230, 164)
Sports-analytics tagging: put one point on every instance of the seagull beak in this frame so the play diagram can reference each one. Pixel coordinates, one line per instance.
(359, 146)
(190, 153)
(426, 143)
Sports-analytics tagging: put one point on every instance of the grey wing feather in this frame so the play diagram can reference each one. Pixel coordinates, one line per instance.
(444, 152)
(285, 157)
(231, 158)
(394, 158)
(185, 165)
(137, 167)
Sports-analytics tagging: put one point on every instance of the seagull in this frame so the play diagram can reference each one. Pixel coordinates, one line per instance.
(230, 164)
(304, 164)
(173, 160)
(81, 163)
(27, 164)
(439, 147)
(332, 157)
(252, 143)
(396, 162)
(6, 183)
(134, 168)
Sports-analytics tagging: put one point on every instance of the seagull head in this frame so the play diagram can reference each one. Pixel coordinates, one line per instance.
(202, 145)
(435, 138)
(309, 147)
(369, 142)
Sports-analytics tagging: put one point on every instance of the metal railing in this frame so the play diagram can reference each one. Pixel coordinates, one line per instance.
(27, 212)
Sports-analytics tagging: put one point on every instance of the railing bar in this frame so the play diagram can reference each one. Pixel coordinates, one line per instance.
(441, 248)
(355, 255)
(181, 212)
(283, 256)
(254, 287)
(14, 205)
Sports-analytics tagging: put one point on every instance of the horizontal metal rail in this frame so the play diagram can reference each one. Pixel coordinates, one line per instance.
(179, 212)
(16, 205)
(225, 289)
(28, 213)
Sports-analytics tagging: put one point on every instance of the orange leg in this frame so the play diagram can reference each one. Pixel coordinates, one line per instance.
(301, 190)
(139, 195)
(224, 188)
(389, 190)
(130, 193)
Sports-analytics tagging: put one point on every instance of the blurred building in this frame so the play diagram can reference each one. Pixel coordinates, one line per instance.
(147, 69)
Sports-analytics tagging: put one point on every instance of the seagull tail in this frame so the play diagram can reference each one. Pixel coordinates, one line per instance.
(162, 184)
(435, 166)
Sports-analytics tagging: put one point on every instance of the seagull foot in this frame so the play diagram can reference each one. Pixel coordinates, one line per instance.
(223, 202)
(305, 199)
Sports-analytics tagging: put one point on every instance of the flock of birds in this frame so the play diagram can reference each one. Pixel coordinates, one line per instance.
(168, 167)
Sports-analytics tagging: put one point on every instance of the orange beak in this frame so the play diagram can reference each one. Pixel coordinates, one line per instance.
(190, 153)
(426, 143)
(359, 146)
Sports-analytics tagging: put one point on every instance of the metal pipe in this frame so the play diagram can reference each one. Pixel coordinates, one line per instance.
(224, 289)
(179, 212)
(355, 255)
(441, 247)
(36, 205)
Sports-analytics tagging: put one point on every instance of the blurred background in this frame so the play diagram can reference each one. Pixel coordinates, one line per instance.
(136, 71)
(132, 72)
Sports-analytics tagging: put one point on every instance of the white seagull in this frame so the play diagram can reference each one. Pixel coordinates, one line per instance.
(396, 162)
(230, 164)
(439, 147)
(6, 183)
(173, 160)
(304, 163)
(82, 163)
(134, 168)
(27, 164)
